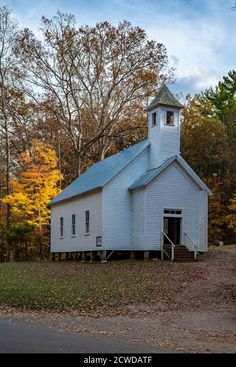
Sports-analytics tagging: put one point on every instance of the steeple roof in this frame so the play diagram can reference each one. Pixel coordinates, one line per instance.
(166, 98)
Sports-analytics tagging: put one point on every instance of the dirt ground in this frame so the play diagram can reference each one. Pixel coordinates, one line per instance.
(200, 318)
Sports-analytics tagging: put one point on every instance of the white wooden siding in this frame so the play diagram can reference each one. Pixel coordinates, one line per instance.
(165, 139)
(172, 189)
(154, 137)
(138, 218)
(117, 205)
(169, 136)
(177, 191)
(77, 206)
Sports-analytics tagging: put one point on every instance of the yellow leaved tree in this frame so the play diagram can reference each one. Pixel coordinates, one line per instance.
(35, 186)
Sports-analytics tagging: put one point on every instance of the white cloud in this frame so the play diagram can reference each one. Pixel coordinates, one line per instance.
(200, 45)
(199, 35)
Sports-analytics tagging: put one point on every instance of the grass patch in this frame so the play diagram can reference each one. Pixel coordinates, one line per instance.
(86, 287)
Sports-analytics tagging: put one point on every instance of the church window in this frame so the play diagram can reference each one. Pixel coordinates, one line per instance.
(87, 221)
(73, 225)
(170, 118)
(154, 119)
(61, 227)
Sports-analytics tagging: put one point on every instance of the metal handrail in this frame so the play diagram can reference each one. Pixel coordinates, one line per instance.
(194, 244)
(172, 246)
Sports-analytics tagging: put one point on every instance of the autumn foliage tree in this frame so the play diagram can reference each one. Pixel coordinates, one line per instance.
(217, 211)
(204, 146)
(92, 78)
(35, 186)
(223, 99)
(231, 217)
(203, 137)
(8, 35)
(208, 143)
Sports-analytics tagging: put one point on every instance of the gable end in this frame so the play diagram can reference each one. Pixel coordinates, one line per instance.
(150, 175)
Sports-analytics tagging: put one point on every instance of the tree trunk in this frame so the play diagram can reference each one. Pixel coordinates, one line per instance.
(8, 187)
(59, 160)
(102, 155)
(7, 150)
(78, 164)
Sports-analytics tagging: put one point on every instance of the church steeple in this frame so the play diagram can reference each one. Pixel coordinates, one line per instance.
(164, 98)
(163, 127)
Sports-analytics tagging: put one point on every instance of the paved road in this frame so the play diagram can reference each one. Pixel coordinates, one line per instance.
(18, 337)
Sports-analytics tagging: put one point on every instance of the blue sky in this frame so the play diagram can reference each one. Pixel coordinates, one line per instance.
(200, 35)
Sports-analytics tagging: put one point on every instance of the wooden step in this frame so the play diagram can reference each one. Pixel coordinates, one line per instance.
(181, 253)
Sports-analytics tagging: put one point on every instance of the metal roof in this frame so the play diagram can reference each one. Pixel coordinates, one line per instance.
(100, 173)
(166, 98)
(148, 176)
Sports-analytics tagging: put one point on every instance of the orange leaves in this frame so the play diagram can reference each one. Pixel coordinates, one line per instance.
(146, 75)
(203, 138)
(217, 211)
(204, 145)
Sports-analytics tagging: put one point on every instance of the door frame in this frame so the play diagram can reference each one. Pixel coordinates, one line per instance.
(180, 216)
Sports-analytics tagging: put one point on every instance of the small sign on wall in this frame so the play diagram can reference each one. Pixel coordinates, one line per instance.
(98, 241)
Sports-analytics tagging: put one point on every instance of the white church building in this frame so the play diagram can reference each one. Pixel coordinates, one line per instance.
(143, 200)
